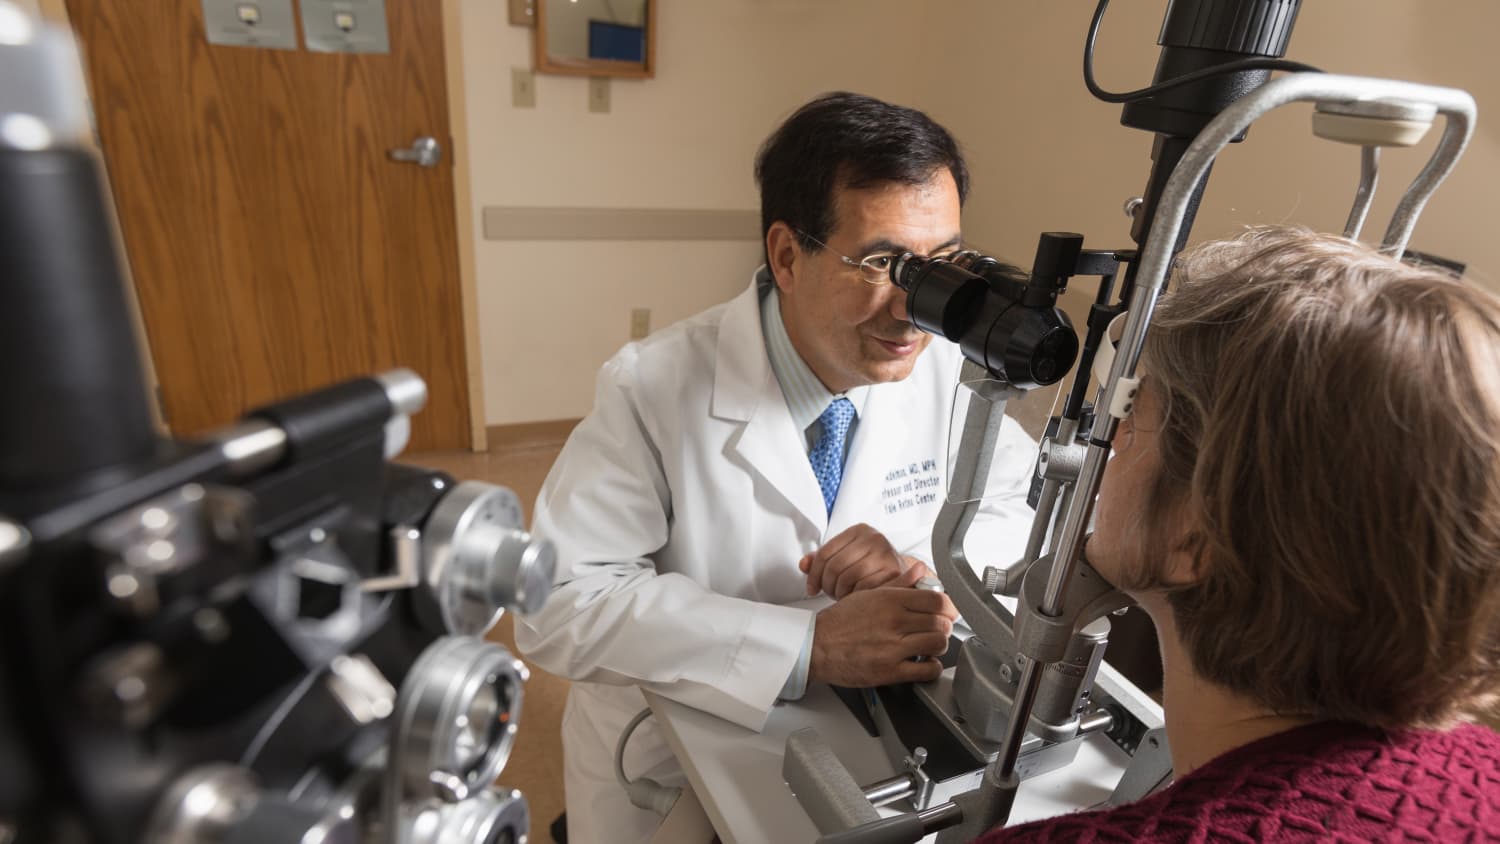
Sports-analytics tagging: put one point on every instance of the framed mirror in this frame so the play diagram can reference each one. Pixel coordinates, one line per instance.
(596, 37)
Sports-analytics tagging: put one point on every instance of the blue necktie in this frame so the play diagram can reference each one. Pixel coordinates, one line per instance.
(827, 453)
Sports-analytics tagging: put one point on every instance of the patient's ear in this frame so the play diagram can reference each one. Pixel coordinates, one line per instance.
(784, 254)
(1184, 563)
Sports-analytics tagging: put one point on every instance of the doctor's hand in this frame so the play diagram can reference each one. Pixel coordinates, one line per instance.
(869, 638)
(857, 559)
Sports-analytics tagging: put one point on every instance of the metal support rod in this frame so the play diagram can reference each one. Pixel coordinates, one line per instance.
(1067, 430)
(908, 827)
(1460, 126)
(891, 790)
(940, 817)
(1051, 504)
(1046, 508)
(1369, 179)
(1064, 501)
(1080, 509)
(1015, 728)
(1096, 721)
(1073, 404)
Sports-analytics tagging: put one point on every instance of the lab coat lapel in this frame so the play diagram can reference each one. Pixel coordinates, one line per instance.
(745, 389)
(879, 444)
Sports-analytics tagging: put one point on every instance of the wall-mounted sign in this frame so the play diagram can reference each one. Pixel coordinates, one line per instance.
(345, 26)
(268, 24)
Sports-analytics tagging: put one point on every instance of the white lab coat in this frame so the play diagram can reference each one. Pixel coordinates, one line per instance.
(679, 509)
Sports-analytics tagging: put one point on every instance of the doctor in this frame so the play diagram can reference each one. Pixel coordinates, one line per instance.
(789, 443)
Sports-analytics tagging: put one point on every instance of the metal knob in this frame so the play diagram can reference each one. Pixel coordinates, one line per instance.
(526, 566)
(490, 816)
(424, 152)
(994, 580)
(480, 561)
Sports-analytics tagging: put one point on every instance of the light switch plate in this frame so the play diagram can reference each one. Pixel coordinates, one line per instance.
(345, 26)
(522, 87)
(267, 24)
(599, 94)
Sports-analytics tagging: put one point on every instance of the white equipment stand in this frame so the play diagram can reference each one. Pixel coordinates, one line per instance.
(736, 778)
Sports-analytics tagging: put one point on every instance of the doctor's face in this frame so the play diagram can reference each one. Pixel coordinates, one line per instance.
(849, 331)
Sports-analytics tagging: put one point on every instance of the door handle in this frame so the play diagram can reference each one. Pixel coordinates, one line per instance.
(424, 152)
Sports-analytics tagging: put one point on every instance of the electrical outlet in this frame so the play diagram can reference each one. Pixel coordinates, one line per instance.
(640, 323)
(599, 94)
(522, 87)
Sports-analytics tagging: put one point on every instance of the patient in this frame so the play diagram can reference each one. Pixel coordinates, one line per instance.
(1306, 499)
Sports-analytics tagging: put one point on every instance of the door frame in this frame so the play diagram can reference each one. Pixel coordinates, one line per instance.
(464, 213)
(466, 218)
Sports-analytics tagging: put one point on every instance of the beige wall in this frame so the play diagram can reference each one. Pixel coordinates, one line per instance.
(1004, 76)
(727, 70)
(1046, 155)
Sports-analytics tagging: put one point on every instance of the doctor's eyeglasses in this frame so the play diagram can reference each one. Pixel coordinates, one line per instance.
(875, 268)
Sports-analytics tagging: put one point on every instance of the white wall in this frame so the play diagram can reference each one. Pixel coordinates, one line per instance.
(1004, 76)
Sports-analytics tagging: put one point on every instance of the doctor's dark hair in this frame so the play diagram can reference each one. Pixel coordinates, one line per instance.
(1330, 440)
(846, 140)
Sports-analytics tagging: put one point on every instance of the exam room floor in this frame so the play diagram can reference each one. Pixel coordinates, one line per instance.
(519, 459)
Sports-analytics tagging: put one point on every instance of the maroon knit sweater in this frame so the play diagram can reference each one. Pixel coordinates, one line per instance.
(1322, 782)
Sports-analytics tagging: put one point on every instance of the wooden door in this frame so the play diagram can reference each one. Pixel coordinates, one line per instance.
(275, 247)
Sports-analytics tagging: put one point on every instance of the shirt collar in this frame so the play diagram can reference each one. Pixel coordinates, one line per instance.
(806, 397)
